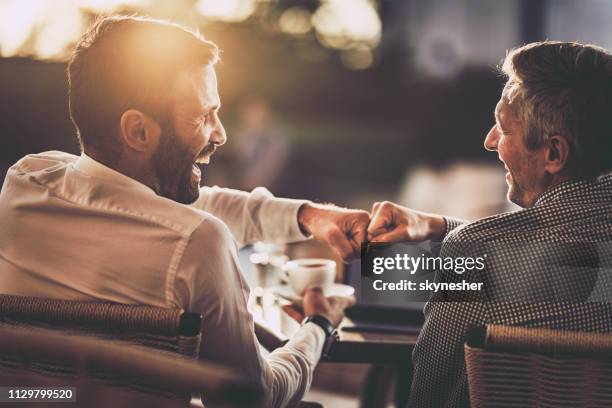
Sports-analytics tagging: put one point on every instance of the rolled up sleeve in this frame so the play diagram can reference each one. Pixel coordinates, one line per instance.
(209, 281)
(253, 216)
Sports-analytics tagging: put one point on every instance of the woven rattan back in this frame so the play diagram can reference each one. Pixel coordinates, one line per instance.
(171, 330)
(106, 373)
(532, 367)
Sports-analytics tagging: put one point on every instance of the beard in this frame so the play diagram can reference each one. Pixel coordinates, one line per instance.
(173, 166)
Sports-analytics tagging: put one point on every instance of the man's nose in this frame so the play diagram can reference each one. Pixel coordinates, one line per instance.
(491, 140)
(218, 135)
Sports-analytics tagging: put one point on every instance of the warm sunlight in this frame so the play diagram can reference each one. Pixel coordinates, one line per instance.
(226, 10)
(59, 31)
(342, 24)
(46, 29)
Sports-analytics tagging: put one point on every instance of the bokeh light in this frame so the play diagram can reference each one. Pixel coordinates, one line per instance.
(343, 24)
(106, 6)
(357, 58)
(18, 18)
(46, 29)
(226, 10)
(296, 21)
(62, 27)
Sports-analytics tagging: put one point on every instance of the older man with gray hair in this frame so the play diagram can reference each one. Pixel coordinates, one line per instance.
(553, 133)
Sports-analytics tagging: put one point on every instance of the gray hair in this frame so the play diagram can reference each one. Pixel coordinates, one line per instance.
(564, 88)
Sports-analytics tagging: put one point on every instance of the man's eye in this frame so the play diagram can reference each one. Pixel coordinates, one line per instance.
(203, 120)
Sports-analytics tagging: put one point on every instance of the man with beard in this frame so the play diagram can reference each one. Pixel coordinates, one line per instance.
(128, 222)
(548, 264)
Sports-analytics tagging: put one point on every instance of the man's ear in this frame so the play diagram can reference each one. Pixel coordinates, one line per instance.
(557, 154)
(138, 131)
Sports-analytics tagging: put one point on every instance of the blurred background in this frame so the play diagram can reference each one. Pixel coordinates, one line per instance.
(348, 101)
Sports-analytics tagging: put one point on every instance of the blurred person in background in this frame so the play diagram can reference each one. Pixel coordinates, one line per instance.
(553, 134)
(263, 146)
(128, 222)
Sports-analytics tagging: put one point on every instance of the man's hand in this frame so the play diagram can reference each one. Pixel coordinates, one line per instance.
(394, 223)
(345, 230)
(315, 303)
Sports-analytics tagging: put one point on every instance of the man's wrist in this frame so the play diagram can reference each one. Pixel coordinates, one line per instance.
(437, 227)
(321, 321)
(304, 215)
(307, 213)
(331, 334)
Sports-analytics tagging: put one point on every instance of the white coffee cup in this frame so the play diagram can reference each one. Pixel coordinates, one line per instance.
(305, 272)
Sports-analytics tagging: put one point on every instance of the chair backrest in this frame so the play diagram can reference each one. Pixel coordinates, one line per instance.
(171, 330)
(535, 367)
(103, 373)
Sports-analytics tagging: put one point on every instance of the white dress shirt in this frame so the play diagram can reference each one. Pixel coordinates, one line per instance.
(72, 228)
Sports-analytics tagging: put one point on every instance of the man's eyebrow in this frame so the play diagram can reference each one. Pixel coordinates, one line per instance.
(207, 109)
(498, 120)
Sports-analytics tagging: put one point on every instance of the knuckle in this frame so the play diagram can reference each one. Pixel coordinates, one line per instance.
(364, 216)
(336, 234)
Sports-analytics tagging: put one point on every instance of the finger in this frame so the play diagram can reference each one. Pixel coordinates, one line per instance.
(313, 295)
(396, 235)
(360, 233)
(375, 207)
(342, 301)
(293, 312)
(354, 228)
(340, 243)
(312, 291)
(378, 225)
(381, 217)
(356, 243)
(350, 300)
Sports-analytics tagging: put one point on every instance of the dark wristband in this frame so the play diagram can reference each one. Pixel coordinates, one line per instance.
(322, 322)
(330, 331)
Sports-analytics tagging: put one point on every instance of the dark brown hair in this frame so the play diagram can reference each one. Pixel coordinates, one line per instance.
(127, 62)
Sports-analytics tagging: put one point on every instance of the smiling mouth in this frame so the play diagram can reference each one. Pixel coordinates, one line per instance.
(205, 154)
(203, 158)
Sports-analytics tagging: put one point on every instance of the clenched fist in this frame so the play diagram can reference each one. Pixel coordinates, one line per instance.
(394, 223)
(344, 229)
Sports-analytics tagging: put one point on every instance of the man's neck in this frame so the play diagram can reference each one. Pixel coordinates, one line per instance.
(128, 168)
(555, 180)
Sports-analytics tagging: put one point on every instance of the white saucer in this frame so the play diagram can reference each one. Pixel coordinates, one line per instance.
(337, 289)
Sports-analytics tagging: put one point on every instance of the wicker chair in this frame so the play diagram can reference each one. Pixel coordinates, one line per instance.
(103, 373)
(533, 367)
(170, 330)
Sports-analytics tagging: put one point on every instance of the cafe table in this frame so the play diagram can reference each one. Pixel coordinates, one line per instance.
(388, 352)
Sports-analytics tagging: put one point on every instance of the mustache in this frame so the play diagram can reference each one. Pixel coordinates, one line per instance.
(208, 150)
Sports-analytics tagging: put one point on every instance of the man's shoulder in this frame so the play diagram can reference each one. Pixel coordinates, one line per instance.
(52, 178)
(496, 226)
(211, 231)
(40, 162)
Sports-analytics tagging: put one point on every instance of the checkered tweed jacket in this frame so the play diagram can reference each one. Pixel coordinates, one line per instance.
(546, 266)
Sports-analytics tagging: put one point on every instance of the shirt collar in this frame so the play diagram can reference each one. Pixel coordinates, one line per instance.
(575, 188)
(93, 168)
